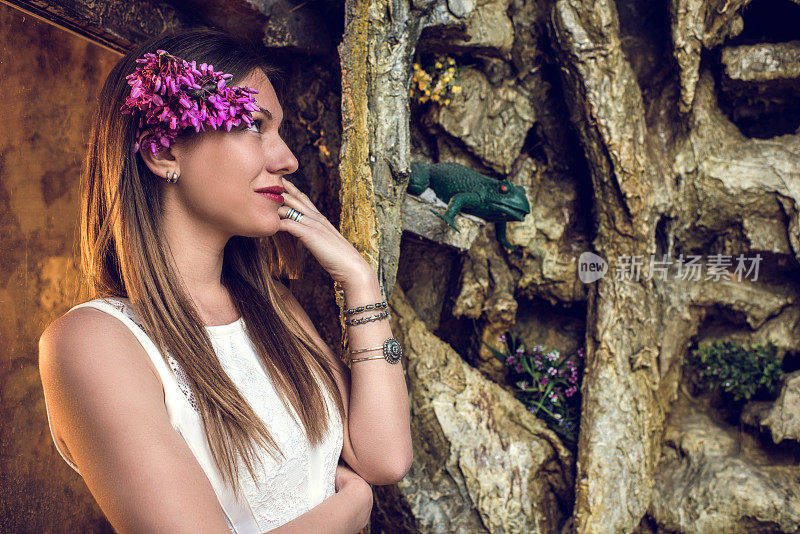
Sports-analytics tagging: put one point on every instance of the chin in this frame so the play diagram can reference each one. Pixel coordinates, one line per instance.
(266, 230)
(263, 227)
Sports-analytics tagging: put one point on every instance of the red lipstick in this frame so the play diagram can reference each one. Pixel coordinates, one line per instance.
(273, 193)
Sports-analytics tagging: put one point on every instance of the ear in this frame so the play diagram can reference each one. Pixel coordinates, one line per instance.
(162, 164)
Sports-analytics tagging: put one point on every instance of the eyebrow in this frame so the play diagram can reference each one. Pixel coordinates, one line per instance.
(267, 113)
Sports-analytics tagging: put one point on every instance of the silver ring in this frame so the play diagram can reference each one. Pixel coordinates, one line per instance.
(294, 215)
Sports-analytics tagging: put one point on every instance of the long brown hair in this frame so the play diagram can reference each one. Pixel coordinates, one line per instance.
(124, 253)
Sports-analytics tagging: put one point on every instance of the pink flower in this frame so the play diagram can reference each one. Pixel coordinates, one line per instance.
(169, 95)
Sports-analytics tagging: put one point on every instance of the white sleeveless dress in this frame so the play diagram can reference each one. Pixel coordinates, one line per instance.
(284, 488)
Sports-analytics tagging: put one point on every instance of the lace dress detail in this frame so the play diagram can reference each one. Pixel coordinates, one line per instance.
(289, 485)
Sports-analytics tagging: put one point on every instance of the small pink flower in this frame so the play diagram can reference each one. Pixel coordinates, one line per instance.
(167, 99)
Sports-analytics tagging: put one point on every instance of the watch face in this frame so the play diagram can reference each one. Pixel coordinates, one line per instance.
(392, 350)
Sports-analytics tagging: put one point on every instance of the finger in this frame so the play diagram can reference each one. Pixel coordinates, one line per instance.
(293, 227)
(308, 217)
(299, 195)
(290, 200)
(308, 214)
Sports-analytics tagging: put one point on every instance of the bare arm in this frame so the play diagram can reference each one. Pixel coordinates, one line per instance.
(107, 406)
(345, 512)
(379, 462)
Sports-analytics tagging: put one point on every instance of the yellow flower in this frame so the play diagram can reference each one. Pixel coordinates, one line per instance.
(416, 66)
(438, 65)
(446, 101)
(456, 89)
(451, 61)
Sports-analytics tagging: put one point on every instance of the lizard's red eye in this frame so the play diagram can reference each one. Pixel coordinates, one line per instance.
(503, 189)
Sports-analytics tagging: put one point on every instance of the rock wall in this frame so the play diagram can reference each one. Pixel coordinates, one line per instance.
(50, 79)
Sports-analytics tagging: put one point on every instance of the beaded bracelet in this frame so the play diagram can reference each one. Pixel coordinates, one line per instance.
(366, 319)
(376, 306)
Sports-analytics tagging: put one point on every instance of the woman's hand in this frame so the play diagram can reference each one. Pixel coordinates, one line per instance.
(358, 490)
(333, 252)
(345, 475)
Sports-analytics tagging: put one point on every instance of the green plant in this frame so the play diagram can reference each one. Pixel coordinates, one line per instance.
(737, 370)
(545, 382)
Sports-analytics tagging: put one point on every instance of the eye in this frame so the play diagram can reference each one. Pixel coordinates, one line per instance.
(255, 126)
(503, 188)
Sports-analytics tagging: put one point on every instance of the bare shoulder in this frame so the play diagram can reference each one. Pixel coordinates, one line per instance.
(87, 350)
(107, 409)
(81, 326)
(87, 336)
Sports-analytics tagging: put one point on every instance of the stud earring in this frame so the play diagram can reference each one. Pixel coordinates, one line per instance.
(172, 177)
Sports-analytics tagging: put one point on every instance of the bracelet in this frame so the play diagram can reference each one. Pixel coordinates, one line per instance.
(370, 358)
(365, 350)
(366, 319)
(392, 351)
(376, 306)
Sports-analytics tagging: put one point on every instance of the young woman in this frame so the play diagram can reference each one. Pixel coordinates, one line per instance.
(192, 392)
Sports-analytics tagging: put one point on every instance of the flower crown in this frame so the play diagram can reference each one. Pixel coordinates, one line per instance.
(170, 94)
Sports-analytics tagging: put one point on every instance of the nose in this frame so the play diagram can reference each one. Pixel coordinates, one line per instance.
(285, 160)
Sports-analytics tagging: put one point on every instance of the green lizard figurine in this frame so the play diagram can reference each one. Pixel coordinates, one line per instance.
(467, 190)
